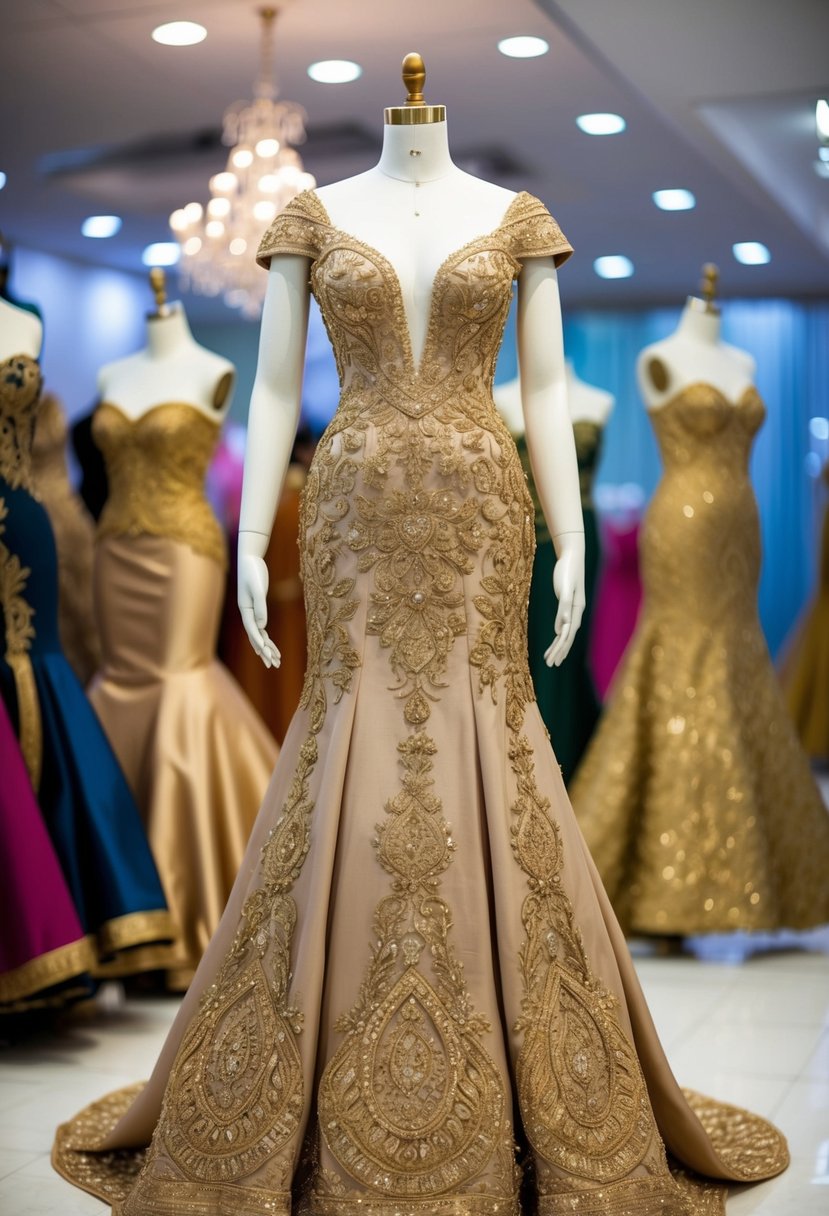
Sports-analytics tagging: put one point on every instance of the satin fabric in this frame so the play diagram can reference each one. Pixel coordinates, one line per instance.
(195, 753)
(42, 942)
(618, 595)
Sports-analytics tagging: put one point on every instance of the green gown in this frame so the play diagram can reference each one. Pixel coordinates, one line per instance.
(566, 695)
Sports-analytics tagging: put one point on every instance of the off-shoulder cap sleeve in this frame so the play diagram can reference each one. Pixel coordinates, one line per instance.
(532, 232)
(297, 229)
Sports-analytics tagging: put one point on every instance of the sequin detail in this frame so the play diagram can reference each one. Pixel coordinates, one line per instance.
(695, 766)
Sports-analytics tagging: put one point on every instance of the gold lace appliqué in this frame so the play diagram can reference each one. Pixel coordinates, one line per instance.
(236, 1095)
(411, 1104)
(20, 385)
(156, 465)
(18, 615)
(581, 1091)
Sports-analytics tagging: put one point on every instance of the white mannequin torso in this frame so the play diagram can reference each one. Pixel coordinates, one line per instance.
(21, 332)
(586, 403)
(171, 368)
(415, 211)
(693, 354)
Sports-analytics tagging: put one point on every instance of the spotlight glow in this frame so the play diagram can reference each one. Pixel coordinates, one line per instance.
(674, 200)
(601, 124)
(613, 266)
(238, 246)
(224, 183)
(242, 158)
(179, 33)
(264, 210)
(819, 428)
(751, 253)
(335, 71)
(101, 226)
(822, 119)
(161, 253)
(523, 46)
(3, 180)
(267, 148)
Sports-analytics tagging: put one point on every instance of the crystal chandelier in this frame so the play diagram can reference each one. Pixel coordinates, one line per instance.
(263, 173)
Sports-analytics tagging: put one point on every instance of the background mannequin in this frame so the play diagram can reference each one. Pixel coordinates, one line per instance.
(172, 367)
(87, 809)
(566, 696)
(196, 754)
(694, 796)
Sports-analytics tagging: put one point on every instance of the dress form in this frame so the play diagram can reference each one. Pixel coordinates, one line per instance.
(21, 332)
(415, 227)
(694, 354)
(172, 367)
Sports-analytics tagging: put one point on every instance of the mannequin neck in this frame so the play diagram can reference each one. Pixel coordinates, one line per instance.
(570, 372)
(166, 335)
(430, 142)
(698, 325)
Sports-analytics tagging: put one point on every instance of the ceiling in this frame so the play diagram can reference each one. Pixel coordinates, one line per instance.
(718, 97)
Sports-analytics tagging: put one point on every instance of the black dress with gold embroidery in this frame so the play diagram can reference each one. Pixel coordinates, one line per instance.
(417, 952)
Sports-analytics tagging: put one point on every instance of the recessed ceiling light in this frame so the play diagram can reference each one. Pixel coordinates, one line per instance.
(335, 71)
(179, 33)
(822, 119)
(162, 253)
(3, 180)
(613, 266)
(751, 253)
(822, 168)
(101, 225)
(601, 124)
(674, 200)
(524, 46)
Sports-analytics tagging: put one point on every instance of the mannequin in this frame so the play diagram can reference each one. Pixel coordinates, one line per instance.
(417, 207)
(109, 891)
(567, 698)
(21, 332)
(194, 751)
(694, 797)
(350, 1033)
(172, 367)
(694, 354)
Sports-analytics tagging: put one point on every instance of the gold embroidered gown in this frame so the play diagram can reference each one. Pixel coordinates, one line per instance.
(418, 949)
(695, 799)
(195, 752)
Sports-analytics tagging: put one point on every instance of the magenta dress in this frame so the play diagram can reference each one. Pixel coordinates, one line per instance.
(44, 953)
(618, 595)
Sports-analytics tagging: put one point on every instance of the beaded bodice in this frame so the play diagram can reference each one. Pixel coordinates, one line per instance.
(156, 466)
(20, 385)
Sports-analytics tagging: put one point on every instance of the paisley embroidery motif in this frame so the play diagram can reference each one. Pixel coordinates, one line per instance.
(236, 1093)
(580, 1088)
(412, 1104)
(20, 385)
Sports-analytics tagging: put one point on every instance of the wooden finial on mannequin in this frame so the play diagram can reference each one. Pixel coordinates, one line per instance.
(708, 287)
(158, 282)
(414, 111)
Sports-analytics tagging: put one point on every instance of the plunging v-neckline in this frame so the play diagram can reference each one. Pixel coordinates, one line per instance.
(385, 265)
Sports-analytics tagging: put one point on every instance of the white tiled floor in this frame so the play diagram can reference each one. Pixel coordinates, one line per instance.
(755, 1033)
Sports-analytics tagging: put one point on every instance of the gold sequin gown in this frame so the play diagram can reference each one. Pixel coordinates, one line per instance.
(695, 799)
(418, 945)
(196, 754)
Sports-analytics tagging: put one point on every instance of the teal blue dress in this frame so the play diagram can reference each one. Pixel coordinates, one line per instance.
(566, 696)
(87, 807)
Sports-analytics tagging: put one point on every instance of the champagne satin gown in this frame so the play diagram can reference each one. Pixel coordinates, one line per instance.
(195, 752)
(418, 950)
(695, 799)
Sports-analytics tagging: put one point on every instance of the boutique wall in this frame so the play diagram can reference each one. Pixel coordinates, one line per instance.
(92, 316)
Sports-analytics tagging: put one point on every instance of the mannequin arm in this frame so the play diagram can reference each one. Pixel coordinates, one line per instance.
(550, 442)
(272, 422)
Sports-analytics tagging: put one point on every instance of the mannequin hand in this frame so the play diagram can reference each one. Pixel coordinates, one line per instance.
(252, 592)
(568, 584)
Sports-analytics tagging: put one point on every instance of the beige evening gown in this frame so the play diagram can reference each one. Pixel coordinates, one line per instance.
(695, 798)
(196, 754)
(418, 993)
